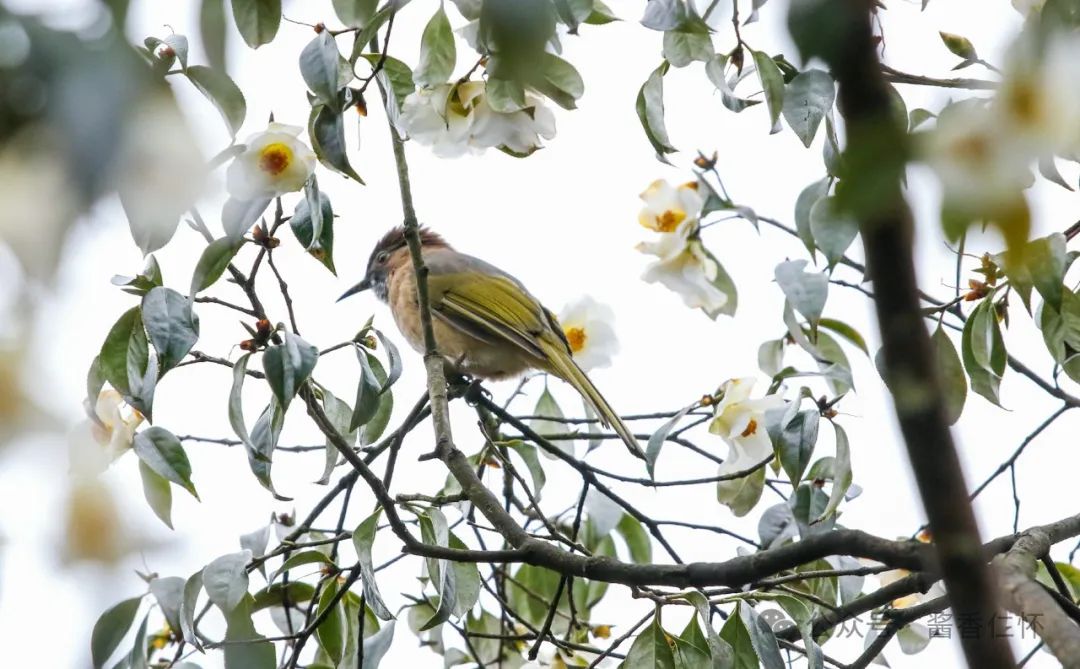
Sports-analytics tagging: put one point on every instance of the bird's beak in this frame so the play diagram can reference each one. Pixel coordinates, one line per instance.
(358, 288)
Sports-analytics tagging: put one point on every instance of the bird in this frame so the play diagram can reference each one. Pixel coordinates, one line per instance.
(487, 325)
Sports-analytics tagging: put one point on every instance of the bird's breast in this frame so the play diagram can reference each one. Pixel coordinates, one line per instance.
(495, 359)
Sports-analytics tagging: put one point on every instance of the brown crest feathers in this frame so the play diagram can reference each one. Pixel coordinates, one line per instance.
(394, 239)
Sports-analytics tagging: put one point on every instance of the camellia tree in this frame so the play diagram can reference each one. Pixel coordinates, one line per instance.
(506, 579)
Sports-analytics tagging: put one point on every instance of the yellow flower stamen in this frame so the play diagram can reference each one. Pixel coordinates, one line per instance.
(751, 428)
(275, 158)
(576, 338)
(669, 220)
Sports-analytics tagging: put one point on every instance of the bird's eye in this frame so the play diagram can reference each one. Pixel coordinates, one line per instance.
(382, 257)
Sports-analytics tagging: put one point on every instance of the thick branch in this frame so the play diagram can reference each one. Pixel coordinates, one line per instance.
(1025, 597)
(887, 231)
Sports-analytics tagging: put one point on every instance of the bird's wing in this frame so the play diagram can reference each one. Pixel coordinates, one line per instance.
(485, 302)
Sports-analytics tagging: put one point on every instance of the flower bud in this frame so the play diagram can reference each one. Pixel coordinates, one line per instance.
(959, 45)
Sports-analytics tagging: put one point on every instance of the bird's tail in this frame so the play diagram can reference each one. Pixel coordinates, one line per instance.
(563, 366)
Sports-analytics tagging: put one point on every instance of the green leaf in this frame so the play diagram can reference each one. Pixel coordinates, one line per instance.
(505, 95)
(288, 365)
(722, 653)
(601, 14)
(246, 648)
(434, 531)
(527, 452)
(716, 70)
(833, 230)
(300, 559)
(650, 649)
(212, 263)
(664, 14)
(842, 475)
(371, 430)
(319, 68)
(226, 580)
(236, 405)
(761, 638)
(264, 439)
(222, 92)
(331, 632)
(951, 374)
(983, 351)
(806, 100)
(1047, 261)
(376, 645)
(918, 116)
(339, 413)
(368, 389)
(846, 331)
(803, 204)
(370, 29)
(149, 279)
(326, 129)
(834, 364)
(559, 80)
(659, 438)
(257, 20)
(722, 282)
(137, 657)
(650, 111)
(805, 291)
(741, 494)
(438, 54)
(111, 628)
(363, 540)
(172, 325)
(772, 84)
(158, 493)
(303, 226)
(169, 592)
(400, 77)
(162, 452)
(123, 358)
(692, 648)
(212, 31)
(192, 587)
(547, 406)
(636, 538)
(794, 438)
(276, 594)
(355, 13)
(684, 47)
(466, 580)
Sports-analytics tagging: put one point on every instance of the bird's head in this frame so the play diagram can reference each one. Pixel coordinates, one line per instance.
(390, 254)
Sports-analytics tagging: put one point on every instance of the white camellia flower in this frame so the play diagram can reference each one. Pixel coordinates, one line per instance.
(590, 329)
(517, 132)
(441, 117)
(667, 207)
(740, 421)
(981, 168)
(684, 267)
(96, 443)
(1038, 103)
(455, 119)
(1028, 7)
(274, 162)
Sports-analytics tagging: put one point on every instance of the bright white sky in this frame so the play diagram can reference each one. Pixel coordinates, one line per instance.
(563, 221)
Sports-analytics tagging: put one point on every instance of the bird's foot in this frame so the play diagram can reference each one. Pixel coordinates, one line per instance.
(474, 391)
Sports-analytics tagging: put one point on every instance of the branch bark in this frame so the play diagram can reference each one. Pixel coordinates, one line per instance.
(1027, 598)
(874, 165)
